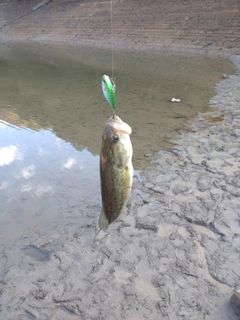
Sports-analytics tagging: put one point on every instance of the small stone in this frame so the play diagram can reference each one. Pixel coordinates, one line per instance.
(147, 224)
(204, 183)
(178, 188)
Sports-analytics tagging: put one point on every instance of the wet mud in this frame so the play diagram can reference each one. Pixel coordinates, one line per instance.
(174, 254)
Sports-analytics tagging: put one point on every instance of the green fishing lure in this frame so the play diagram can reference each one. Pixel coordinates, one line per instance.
(108, 89)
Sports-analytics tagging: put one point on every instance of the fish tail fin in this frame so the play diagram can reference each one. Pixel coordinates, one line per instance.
(103, 220)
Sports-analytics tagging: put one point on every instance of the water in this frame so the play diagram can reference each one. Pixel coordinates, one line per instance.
(52, 115)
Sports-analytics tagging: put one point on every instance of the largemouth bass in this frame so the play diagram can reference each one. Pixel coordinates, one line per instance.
(116, 170)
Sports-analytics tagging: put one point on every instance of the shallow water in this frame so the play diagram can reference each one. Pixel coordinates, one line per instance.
(52, 115)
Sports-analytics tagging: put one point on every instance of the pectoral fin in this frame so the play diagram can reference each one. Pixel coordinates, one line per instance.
(103, 221)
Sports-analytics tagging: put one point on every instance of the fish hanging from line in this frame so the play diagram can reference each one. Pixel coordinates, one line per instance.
(108, 89)
(116, 170)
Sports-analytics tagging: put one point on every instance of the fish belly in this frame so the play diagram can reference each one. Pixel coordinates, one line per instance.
(116, 184)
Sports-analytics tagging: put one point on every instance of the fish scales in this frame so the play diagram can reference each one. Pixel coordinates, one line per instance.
(115, 190)
(116, 170)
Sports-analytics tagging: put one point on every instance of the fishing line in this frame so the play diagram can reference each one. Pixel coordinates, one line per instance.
(108, 84)
(113, 80)
(112, 40)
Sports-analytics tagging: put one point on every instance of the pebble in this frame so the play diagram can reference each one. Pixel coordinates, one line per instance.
(204, 183)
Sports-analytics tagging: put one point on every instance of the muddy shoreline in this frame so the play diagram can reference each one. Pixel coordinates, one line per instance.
(174, 254)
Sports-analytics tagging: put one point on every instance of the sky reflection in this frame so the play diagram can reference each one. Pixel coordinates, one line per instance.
(8, 155)
(43, 175)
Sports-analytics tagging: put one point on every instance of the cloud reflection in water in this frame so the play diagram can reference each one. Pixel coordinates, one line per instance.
(43, 176)
(8, 155)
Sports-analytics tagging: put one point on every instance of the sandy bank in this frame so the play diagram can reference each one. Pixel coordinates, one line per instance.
(202, 26)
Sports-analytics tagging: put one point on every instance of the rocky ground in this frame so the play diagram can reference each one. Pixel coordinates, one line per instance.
(176, 253)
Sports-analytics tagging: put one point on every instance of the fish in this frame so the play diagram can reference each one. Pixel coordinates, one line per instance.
(116, 170)
(108, 89)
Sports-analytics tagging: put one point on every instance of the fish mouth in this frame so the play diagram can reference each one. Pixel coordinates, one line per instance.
(117, 124)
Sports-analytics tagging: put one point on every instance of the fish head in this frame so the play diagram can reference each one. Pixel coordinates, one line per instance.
(116, 143)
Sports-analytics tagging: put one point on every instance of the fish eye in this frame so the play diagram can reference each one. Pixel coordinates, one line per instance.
(115, 138)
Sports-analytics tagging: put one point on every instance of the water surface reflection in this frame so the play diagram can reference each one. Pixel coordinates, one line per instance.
(47, 91)
(52, 113)
(44, 179)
